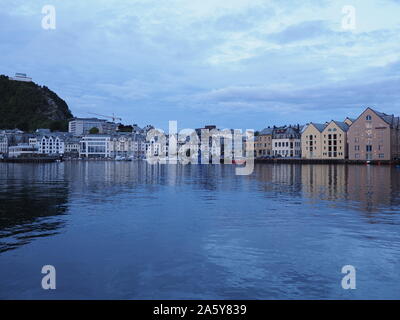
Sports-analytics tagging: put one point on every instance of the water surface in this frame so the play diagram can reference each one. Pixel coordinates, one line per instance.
(129, 230)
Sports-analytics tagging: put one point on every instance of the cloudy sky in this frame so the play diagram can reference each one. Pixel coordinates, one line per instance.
(236, 64)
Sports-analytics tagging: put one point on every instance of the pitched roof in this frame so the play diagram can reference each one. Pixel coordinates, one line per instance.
(266, 131)
(389, 119)
(319, 126)
(342, 125)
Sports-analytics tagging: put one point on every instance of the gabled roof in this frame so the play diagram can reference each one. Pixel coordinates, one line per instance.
(389, 119)
(266, 131)
(319, 126)
(342, 125)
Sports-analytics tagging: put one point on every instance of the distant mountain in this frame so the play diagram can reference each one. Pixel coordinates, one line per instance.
(28, 106)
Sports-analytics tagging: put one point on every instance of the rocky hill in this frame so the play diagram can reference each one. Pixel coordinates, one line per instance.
(28, 106)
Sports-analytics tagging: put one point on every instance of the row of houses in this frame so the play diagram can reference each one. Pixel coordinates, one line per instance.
(124, 145)
(278, 142)
(372, 136)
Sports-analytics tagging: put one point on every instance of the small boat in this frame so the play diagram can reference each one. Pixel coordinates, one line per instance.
(120, 158)
(239, 161)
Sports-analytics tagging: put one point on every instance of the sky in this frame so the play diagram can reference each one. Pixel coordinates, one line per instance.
(243, 64)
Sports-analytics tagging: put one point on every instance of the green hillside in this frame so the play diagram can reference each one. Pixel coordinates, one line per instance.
(27, 106)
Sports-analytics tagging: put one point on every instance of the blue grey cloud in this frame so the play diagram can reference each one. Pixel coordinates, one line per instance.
(302, 31)
(237, 64)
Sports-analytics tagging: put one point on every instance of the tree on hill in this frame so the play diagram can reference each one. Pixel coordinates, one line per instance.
(122, 128)
(94, 130)
(28, 106)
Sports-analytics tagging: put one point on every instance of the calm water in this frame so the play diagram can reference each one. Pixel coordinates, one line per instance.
(128, 230)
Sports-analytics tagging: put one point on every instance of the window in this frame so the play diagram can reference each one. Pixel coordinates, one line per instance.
(369, 118)
(368, 148)
(381, 155)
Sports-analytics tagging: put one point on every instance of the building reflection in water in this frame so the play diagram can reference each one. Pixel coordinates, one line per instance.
(32, 200)
(366, 188)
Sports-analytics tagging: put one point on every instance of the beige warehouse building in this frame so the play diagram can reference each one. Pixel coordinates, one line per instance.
(374, 136)
(325, 141)
(334, 140)
(311, 141)
(263, 143)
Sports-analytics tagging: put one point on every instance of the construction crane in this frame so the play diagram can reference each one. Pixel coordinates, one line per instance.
(113, 117)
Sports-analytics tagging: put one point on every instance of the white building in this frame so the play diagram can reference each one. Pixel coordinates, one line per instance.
(3, 144)
(157, 147)
(34, 142)
(127, 145)
(50, 144)
(286, 142)
(95, 146)
(21, 150)
(82, 126)
(72, 146)
(21, 77)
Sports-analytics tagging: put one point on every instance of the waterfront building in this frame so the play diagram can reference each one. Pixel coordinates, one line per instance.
(95, 146)
(374, 136)
(286, 142)
(157, 146)
(225, 144)
(127, 145)
(82, 126)
(334, 140)
(22, 150)
(209, 150)
(311, 141)
(72, 146)
(21, 77)
(3, 145)
(263, 143)
(14, 136)
(33, 141)
(50, 144)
